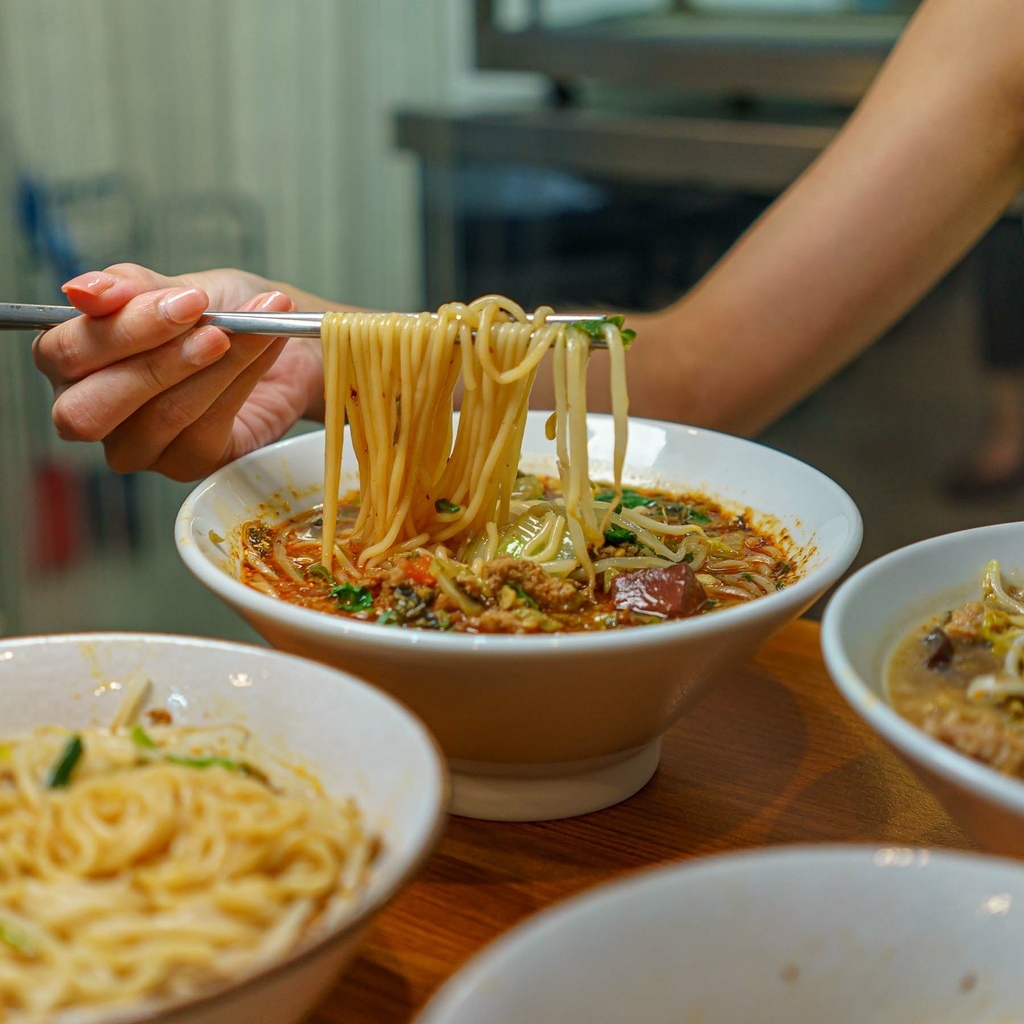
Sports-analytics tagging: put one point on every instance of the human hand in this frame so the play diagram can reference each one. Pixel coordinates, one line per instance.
(163, 394)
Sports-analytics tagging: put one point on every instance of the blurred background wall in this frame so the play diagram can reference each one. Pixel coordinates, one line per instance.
(238, 132)
(396, 153)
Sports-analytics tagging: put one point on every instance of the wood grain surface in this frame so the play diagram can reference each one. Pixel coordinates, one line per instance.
(772, 755)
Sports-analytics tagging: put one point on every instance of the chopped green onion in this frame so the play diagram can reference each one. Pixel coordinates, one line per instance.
(17, 938)
(213, 761)
(694, 515)
(351, 598)
(206, 761)
(60, 775)
(141, 738)
(524, 596)
(443, 505)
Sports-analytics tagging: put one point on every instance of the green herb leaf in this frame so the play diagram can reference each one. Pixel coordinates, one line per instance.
(319, 571)
(60, 774)
(746, 576)
(616, 535)
(694, 515)
(630, 499)
(351, 598)
(141, 738)
(388, 618)
(444, 505)
(593, 328)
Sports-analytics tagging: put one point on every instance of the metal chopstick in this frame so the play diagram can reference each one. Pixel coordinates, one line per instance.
(16, 316)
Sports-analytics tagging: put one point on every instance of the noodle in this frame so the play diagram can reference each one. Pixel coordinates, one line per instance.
(154, 864)
(393, 377)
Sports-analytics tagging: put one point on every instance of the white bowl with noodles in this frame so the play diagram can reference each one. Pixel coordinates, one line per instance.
(554, 725)
(309, 723)
(836, 934)
(873, 612)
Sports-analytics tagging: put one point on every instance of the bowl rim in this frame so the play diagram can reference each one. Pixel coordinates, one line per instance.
(692, 872)
(800, 594)
(348, 926)
(913, 742)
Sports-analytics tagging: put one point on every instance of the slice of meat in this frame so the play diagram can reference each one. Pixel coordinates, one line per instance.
(673, 592)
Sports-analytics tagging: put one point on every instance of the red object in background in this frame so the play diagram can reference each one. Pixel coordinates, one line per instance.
(55, 516)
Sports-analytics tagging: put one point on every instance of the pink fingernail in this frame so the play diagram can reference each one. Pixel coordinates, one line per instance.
(183, 305)
(204, 346)
(94, 283)
(271, 301)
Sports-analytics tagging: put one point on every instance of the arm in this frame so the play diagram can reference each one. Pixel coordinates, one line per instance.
(929, 160)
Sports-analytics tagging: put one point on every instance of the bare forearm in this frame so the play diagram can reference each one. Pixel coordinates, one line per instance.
(930, 159)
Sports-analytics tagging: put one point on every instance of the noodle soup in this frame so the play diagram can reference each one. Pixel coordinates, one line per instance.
(960, 676)
(445, 535)
(662, 556)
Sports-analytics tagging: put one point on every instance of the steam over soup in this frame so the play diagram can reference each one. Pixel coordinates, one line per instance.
(660, 556)
(960, 676)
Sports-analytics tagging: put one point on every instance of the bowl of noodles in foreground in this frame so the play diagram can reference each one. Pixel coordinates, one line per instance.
(195, 831)
(553, 724)
(925, 644)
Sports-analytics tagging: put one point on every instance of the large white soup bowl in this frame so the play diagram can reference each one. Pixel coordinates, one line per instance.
(356, 740)
(872, 612)
(804, 935)
(540, 726)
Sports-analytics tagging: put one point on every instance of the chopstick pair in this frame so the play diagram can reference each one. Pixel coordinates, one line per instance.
(16, 316)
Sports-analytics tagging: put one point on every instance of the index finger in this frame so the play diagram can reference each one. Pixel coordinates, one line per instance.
(101, 292)
(81, 346)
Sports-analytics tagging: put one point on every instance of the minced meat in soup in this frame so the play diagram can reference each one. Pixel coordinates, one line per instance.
(960, 676)
(663, 556)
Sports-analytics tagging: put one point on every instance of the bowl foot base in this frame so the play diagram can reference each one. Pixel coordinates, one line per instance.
(582, 787)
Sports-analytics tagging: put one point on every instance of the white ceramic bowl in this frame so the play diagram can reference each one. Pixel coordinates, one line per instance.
(356, 739)
(872, 611)
(540, 726)
(837, 934)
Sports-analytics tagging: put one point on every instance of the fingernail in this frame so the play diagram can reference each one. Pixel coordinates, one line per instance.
(183, 306)
(94, 283)
(272, 301)
(204, 346)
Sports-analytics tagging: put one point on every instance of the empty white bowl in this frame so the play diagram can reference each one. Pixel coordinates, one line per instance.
(837, 934)
(872, 612)
(540, 726)
(356, 740)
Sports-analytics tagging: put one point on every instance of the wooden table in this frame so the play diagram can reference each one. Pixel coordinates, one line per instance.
(772, 755)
